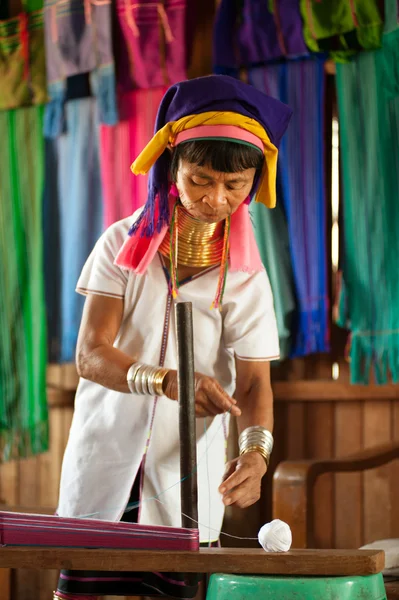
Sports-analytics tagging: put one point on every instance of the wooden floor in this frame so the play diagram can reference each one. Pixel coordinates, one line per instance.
(206, 560)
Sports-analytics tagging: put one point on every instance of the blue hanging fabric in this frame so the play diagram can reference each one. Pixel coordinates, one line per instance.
(300, 84)
(73, 215)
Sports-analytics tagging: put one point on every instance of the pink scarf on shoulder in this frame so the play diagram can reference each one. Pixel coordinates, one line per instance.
(137, 252)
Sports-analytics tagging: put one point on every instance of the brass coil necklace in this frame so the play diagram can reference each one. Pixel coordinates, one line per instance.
(198, 244)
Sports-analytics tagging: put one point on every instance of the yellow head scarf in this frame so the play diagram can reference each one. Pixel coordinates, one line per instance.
(267, 186)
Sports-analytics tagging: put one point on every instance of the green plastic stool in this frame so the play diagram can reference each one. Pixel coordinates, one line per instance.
(257, 587)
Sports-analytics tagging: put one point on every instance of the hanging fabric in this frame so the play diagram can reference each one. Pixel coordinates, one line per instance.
(151, 43)
(342, 27)
(271, 233)
(120, 146)
(23, 405)
(79, 40)
(73, 221)
(300, 84)
(251, 32)
(368, 100)
(22, 61)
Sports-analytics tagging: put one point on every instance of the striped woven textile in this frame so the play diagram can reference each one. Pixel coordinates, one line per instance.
(120, 145)
(368, 97)
(20, 529)
(73, 221)
(23, 406)
(300, 84)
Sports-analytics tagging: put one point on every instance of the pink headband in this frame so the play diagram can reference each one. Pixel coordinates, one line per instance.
(219, 131)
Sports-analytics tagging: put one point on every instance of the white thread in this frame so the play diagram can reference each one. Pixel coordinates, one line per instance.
(137, 504)
(275, 536)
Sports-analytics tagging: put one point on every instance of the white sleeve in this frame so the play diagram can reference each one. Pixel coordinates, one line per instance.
(99, 275)
(249, 326)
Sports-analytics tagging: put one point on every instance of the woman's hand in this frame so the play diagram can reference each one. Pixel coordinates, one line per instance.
(210, 397)
(242, 480)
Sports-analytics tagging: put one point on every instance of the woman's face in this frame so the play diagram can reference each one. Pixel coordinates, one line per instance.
(209, 195)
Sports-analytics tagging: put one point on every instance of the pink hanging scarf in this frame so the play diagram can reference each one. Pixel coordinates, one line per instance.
(119, 146)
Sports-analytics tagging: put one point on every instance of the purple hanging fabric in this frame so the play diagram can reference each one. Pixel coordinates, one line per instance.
(254, 32)
(287, 18)
(300, 84)
(78, 40)
(151, 43)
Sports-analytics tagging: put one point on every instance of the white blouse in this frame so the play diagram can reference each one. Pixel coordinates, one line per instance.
(112, 433)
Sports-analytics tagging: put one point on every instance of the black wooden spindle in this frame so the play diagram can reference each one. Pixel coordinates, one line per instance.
(187, 423)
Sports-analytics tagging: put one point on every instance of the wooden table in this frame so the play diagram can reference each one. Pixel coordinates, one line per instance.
(207, 560)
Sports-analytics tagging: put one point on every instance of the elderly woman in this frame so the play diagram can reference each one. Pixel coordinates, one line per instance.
(214, 149)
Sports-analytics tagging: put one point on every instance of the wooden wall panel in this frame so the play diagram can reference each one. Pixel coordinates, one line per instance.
(28, 495)
(9, 486)
(320, 432)
(395, 473)
(377, 482)
(295, 438)
(348, 486)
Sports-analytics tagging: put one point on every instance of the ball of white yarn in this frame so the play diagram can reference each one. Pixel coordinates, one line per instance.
(275, 536)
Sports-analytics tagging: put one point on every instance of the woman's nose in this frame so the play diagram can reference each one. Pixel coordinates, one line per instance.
(216, 199)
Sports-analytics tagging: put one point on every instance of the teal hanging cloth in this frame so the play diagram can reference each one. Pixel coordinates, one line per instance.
(271, 232)
(368, 100)
(23, 406)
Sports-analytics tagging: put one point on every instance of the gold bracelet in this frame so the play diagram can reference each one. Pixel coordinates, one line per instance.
(146, 380)
(258, 449)
(158, 379)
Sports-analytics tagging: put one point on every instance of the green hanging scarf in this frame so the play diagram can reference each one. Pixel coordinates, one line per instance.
(342, 27)
(271, 233)
(369, 127)
(23, 405)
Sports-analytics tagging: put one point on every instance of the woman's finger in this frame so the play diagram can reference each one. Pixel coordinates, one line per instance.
(220, 399)
(243, 495)
(246, 501)
(203, 398)
(206, 406)
(211, 403)
(239, 475)
(230, 468)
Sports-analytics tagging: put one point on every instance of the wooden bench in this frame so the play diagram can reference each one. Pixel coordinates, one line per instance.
(206, 560)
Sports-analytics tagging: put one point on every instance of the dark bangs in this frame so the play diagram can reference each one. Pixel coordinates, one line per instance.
(219, 155)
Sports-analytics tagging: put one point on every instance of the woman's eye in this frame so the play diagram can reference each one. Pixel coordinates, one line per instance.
(202, 184)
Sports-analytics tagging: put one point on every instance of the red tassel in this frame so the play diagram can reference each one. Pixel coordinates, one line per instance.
(24, 35)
